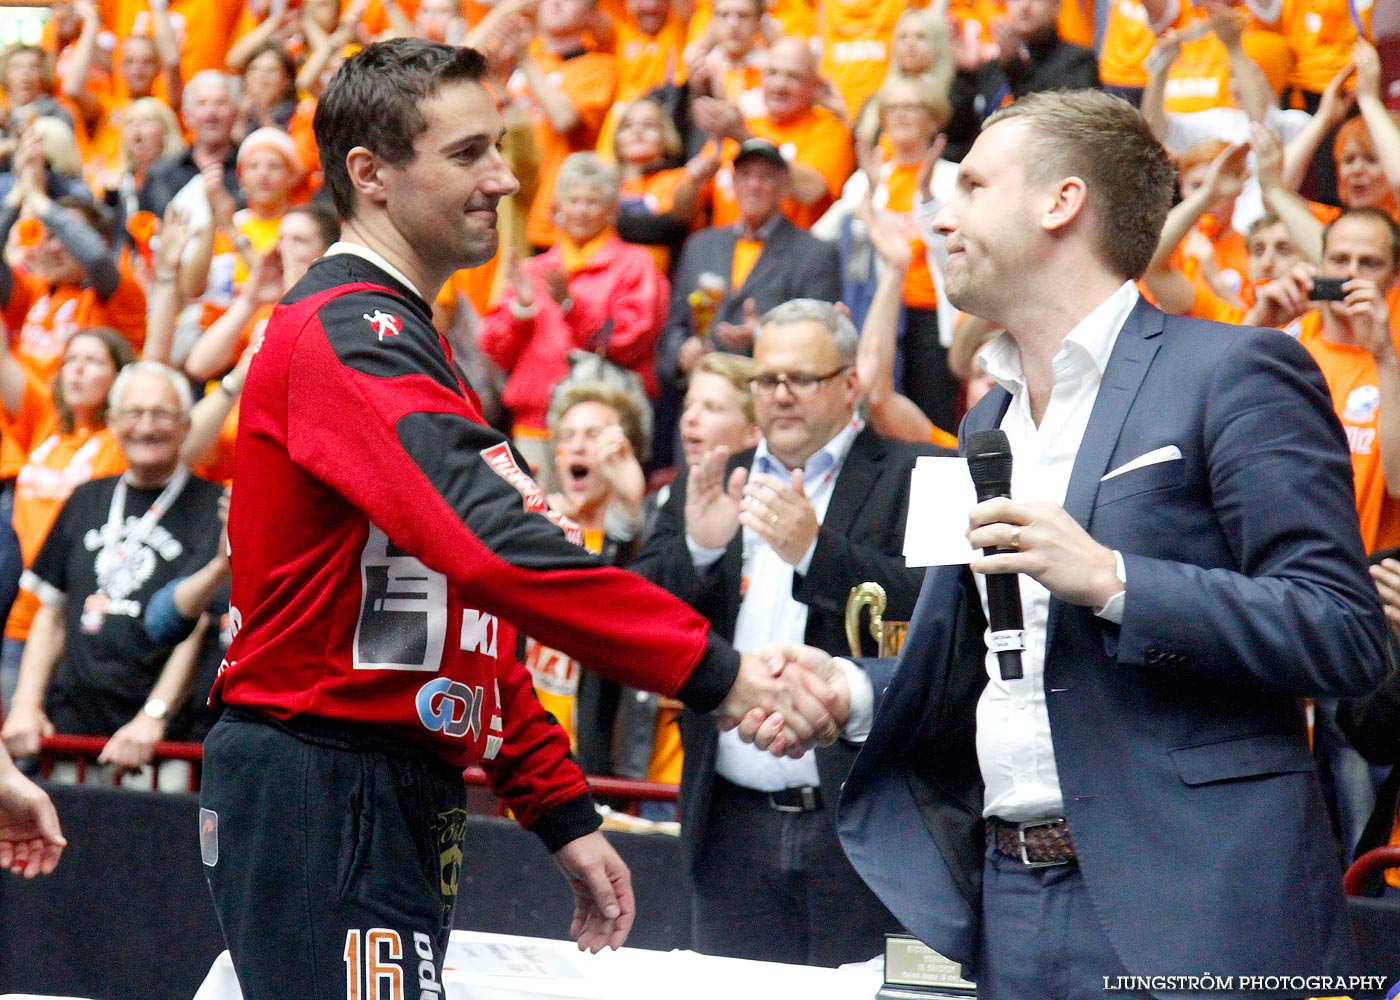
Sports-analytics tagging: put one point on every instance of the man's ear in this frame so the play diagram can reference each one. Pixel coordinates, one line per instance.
(366, 174)
(1069, 197)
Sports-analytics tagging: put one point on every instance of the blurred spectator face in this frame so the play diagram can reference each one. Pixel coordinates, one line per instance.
(640, 134)
(906, 119)
(759, 187)
(562, 16)
(650, 15)
(434, 17)
(790, 79)
(150, 426)
(1358, 247)
(144, 136)
(1272, 253)
(266, 178)
(24, 78)
(210, 114)
(300, 242)
(913, 52)
(797, 426)
(265, 80)
(1193, 179)
(583, 211)
(576, 452)
(736, 24)
(51, 260)
(1028, 18)
(714, 417)
(1361, 182)
(87, 374)
(140, 64)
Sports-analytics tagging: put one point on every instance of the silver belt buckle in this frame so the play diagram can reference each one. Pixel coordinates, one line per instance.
(1021, 829)
(809, 800)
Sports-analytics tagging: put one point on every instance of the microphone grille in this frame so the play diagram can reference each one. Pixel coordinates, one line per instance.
(989, 459)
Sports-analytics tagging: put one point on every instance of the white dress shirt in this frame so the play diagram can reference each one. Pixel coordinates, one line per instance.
(768, 612)
(1014, 748)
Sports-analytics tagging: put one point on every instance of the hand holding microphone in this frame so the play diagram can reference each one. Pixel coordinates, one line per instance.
(989, 462)
(1039, 539)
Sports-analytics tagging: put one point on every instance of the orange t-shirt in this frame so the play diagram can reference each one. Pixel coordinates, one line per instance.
(1127, 39)
(1200, 77)
(1320, 34)
(818, 140)
(54, 465)
(919, 290)
(856, 37)
(589, 80)
(1208, 305)
(1355, 386)
(1231, 257)
(204, 29)
(657, 191)
(1075, 22)
(644, 62)
(46, 317)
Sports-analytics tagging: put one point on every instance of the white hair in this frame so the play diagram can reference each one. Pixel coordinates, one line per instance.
(178, 382)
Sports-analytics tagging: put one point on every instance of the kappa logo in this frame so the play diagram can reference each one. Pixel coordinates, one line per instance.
(384, 324)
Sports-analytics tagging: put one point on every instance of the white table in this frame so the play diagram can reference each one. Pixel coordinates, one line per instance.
(483, 966)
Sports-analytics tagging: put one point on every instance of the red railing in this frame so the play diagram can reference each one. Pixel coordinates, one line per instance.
(84, 750)
(1372, 863)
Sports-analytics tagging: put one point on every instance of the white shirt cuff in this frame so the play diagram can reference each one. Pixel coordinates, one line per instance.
(857, 727)
(800, 567)
(701, 556)
(1113, 610)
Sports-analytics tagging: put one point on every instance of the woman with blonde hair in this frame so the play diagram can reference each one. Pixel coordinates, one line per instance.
(921, 50)
(149, 131)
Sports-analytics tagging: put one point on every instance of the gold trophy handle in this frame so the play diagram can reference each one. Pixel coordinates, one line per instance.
(863, 594)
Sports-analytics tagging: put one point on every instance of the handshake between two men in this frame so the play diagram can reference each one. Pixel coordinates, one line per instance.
(787, 699)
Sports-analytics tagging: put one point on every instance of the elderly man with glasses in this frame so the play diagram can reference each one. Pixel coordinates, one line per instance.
(89, 668)
(767, 544)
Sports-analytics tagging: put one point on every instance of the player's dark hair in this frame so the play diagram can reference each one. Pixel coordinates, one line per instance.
(374, 101)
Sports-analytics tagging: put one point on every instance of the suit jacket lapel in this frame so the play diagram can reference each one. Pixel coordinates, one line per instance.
(1133, 352)
(857, 473)
(1132, 355)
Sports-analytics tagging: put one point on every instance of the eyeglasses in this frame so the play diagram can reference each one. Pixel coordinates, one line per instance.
(161, 417)
(801, 384)
(890, 107)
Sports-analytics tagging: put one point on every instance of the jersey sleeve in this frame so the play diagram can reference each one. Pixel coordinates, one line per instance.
(381, 418)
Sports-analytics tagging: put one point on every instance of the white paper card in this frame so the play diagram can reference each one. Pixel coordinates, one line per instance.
(940, 496)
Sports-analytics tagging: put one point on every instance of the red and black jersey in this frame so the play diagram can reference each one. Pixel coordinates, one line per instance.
(386, 542)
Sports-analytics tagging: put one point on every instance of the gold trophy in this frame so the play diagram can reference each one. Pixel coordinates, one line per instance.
(888, 635)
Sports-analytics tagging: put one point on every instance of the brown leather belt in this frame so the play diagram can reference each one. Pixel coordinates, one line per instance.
(1036, 844)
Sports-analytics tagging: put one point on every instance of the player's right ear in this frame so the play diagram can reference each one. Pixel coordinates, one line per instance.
(366, 172)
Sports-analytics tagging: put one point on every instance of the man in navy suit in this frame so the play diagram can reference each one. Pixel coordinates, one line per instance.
(1142, 802)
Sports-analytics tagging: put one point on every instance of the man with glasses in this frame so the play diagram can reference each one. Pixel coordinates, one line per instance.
(89, 668)
(767, 544)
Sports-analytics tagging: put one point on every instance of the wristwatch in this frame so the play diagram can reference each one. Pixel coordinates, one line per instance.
(156, 708)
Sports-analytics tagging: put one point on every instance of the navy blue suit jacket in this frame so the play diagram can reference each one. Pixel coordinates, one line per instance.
(1179, 740)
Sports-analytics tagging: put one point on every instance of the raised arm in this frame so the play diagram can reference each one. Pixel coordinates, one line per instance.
(1384, 132)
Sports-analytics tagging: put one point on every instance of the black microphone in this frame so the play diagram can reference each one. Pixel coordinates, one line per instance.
(989, 461)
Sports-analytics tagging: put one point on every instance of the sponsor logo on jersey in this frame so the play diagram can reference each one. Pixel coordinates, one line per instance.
(502, 462)
(450, 707)
(1362, 404)
(384, 324)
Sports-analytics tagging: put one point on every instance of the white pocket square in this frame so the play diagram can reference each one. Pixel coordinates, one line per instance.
(1169, 453)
